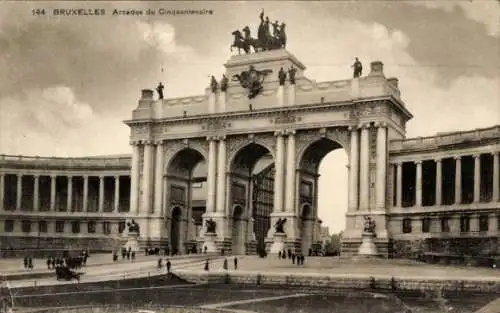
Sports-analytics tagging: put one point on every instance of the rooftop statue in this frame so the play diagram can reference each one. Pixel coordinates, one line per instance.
(264, 41)
(252, 80)
(282, 76)
(291, 73)
(223, 83)
(159, 89)
(358, 68)
(213, 84)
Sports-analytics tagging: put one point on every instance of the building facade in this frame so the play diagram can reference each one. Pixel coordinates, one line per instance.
(247, 162)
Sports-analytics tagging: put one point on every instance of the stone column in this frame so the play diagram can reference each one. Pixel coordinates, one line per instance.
(134, 179)
(36, 193)
(493, 223)
(381, 170)
(399, 184)
(458, 180)
(53, 192)
(19, 191)
(439, 181)
(101, 194)
(146, 178)
(117, 194)
(418, 184)
(221, 176)
(354, 170)
(290, 173)
(85, 193)
(278, 177)
(211, 176)
(70, 193)
(2, 191)
(474, 223)
(280, 94)
(159, 178)
(364, 172)
(477, 178)
(496, 189)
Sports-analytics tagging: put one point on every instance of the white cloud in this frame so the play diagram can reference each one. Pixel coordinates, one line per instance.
(486, 12)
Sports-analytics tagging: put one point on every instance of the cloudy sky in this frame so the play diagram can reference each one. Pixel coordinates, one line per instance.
(68, 82)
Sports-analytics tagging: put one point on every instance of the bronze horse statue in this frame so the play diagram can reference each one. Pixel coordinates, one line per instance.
(239, 43)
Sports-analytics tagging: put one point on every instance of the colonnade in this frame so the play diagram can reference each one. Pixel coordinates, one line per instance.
(458, 180)
(69, 199)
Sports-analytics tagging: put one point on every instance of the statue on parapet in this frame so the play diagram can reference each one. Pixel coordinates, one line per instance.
(223, 83)
(369, 225)
(159, 89)
(211, 225)
(282, 76)
(358, 68)
(213, 84)
(133, 227)
(291, 74)
(279, 226)
(252, 80)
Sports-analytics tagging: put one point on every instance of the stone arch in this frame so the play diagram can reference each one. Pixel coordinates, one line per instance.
(173, 148)
(248, 155)
(237, 144)
(309, 143)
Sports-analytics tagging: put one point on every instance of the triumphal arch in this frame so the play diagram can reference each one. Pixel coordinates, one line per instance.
(263, 107)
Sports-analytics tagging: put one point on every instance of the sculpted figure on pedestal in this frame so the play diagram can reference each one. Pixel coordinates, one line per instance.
(279, 226)
(369, 225)
(223, 83)
(291, 74)
(358, 68)
(133, 227)
(211, 226)
(213, 84)
(282, 76)
(159, 89)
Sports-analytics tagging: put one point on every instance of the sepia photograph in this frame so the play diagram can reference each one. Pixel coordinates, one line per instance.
(334, 156)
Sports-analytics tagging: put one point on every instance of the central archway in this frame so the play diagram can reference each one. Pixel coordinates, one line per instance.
(312, 231)
(251, 201)
(185, 193)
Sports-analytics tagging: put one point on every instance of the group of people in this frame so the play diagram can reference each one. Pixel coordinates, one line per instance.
(126, 253)
(168, 265)
(225, 264)
(28, 263)
(299, 257)
(76, 262)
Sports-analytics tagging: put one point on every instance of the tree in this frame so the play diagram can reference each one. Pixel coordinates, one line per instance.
(332, 247)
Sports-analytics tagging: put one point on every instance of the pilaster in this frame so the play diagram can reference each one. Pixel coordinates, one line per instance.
(211, 176)
(53, 192)
(158, 188)
(279, 175)
(147, 176)
(496, 178)
(2, 191)
(221, 176)
(134, 179)
(69, 200)
(19, 191)
(354, 170)
(399, 185)
(290, 173)
(85, 192)
(117, 194)
(381, 170)
(101, 194)
(364, 179)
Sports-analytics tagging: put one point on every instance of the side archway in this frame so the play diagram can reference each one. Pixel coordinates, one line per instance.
(310, 159)
(251, 195)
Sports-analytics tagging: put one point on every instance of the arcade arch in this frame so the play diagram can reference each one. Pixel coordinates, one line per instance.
(251, 182)
(185, 177)
(312, 188)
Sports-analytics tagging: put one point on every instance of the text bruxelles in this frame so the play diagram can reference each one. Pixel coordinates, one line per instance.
(69, 12)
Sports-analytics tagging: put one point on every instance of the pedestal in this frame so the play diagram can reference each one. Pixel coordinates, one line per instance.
(132, 242)
(209, 242)
(278, 243)
(367, 247)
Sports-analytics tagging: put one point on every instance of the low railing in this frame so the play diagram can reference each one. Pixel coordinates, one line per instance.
(446, 138)
(121, 161)
(127, 309)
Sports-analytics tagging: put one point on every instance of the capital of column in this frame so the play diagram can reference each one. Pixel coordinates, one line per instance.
(290, 132)
(53, 175)
(417, 162)
(212, 138)
(364, 125)
(279, 133)
(476, 155)
(134, 143)
(457, 158)
(380, 124)
(147, 142)
(353, 128)
(495, 153)
(159, 142)
(117, 177)
(221, 137)
(438, 160)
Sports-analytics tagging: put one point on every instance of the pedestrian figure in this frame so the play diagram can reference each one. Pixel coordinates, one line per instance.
(279, 255)
(205, 250)
(310, 251)
(235, 263)
(30, 263)
(160, 263)
(124, 253)
(49, 263)
(168, 265)
(302, 259)
(128, 255)
(115, 256)
(133, 256)
(225, 264)
(26, 262)
(293, 258)
(283, 254)
(289, 253)
(206, 265)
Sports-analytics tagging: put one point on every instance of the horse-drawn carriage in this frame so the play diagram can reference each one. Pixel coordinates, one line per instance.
(63, 272)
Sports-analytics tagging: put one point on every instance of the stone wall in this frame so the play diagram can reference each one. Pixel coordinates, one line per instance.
(314, 282)
(407, 249)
